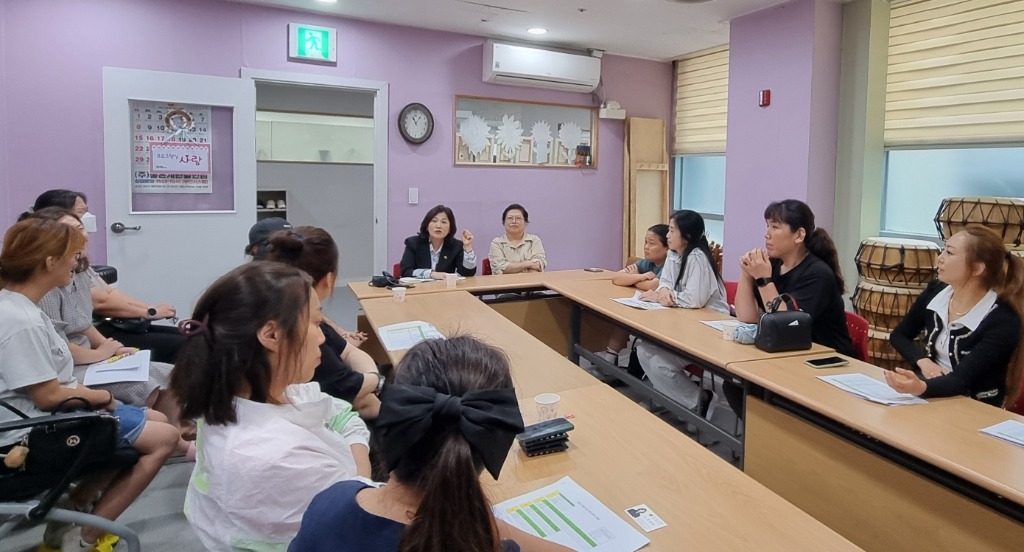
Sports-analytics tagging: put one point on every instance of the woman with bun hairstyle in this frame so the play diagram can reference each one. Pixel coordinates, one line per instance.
(345, 372)
(971, 321)
(435, 251)
(450, 414)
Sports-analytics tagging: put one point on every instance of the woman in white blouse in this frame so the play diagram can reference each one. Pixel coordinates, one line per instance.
(516, 251)
(689, 280)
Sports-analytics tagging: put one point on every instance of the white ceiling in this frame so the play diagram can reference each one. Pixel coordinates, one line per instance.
(654, 29)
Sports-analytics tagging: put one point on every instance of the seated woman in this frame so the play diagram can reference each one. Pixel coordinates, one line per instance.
(36, 375)
(435, 252)
(268, 439)
(971, 320)
(643, 275)
(451, 413)
(688, 280)
(70, 309)
(344, 372)
(516, 251)
(163, 341)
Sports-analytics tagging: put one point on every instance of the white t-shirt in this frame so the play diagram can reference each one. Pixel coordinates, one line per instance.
(31, 352)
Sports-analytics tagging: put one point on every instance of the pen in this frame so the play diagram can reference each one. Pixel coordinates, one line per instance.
(115, 358)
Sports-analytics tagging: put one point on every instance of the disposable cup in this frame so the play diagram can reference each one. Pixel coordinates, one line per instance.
(450, 280)
(399, 294)
(547, 406)
(729, 330)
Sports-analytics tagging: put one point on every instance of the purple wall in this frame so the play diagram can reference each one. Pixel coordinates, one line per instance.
(54, 100)
(787, 150)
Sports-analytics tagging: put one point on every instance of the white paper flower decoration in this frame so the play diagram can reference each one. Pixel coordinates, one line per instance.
(570, 135)
(541, 133)
(475, 132)
(510, 136)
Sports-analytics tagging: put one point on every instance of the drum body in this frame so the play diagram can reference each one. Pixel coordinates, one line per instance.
(881, 353)
(897, 262)
(1004, 215)
(883, 306)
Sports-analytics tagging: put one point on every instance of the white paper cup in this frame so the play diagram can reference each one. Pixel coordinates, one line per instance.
(729, 330)
(399, 294)
(450, 280)
(547, 406)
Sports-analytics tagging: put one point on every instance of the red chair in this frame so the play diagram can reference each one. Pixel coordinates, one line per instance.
(858, 328)
(486, 270)
(730, 291)
(397, 270)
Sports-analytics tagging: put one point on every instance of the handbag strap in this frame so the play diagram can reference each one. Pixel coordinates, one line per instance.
(773, 305)
(10, 407)
(60, 407)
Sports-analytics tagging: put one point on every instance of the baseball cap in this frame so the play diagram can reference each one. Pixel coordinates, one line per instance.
(259, 234)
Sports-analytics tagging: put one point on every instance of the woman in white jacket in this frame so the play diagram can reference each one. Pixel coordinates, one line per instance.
(268, 440)
(689, 280)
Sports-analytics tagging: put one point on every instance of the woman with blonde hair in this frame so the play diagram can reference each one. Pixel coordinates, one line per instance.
(971, 321)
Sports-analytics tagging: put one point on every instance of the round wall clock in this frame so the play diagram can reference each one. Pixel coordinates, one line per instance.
(415, 123)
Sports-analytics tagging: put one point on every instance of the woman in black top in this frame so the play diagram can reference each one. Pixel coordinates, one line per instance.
(435, 252)
(345, 372)
(971, 321)
(800, 260)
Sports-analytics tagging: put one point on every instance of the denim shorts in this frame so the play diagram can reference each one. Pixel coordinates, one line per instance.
(132, 419)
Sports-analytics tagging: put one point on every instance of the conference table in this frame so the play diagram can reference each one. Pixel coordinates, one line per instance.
(491, 284)
(886, 477)
(619, 452)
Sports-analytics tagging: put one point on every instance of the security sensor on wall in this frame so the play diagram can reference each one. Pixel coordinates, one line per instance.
(611, 110)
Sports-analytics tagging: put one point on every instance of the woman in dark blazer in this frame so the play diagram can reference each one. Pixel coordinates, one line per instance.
(435, 252)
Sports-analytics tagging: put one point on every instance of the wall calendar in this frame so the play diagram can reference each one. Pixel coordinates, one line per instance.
(171, 148)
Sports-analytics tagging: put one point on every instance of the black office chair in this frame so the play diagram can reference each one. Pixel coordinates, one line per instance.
(30, 496)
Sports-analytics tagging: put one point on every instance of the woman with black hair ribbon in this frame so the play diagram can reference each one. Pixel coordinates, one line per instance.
(451, 413)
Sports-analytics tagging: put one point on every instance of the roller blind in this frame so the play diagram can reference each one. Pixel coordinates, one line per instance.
(955, 72)
(702, 92)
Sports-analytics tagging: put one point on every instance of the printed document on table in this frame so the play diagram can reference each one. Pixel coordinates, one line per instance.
(1011, 431)
(717, 324)
(398, 337)
(567, 514)
(636, 303)
(133, 367)
(871, 389)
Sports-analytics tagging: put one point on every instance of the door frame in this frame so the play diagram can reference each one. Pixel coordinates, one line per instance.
(380, 139)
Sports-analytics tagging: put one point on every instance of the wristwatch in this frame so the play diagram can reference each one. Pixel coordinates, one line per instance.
(761, 282)
(380, 383)
(151, 311)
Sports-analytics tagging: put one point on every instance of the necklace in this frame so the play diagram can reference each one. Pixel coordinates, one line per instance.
(955, 310)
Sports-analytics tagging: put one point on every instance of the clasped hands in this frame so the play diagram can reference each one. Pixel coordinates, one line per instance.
(756, 264)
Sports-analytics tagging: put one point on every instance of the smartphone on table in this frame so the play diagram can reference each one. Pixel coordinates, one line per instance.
(826, 362)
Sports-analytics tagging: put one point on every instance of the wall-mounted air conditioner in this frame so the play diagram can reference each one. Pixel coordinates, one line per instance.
(536, 68)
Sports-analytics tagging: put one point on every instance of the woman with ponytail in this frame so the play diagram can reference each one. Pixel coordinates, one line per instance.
(800, 260)
(689, 280)
(268, 440)
(450, 413)
(971, 321)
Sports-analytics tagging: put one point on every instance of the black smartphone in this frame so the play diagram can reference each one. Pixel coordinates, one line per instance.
(594, 269)
(826, 362)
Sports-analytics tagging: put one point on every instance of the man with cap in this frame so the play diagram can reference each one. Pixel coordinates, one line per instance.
(259, 236)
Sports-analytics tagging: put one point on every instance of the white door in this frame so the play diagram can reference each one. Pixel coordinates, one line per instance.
(177, 224)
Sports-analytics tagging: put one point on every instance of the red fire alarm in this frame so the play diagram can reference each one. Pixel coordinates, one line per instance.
(764, 98)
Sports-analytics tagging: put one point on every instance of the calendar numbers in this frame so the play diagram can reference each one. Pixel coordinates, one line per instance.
(183, 161)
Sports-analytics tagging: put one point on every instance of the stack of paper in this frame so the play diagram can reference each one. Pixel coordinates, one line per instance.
(871, 389)
(636, 303)
(1010, 430)
(565, 513)
(117, 369)
(398, 337)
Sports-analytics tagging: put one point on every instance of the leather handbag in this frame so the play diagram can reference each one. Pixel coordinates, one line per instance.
(385, 280)
(788, 330)
(59, 439)
(131, 325)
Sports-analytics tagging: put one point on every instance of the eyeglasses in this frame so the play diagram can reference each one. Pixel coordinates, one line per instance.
(514, 219)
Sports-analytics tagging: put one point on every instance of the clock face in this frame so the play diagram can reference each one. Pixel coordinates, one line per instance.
(416, 123)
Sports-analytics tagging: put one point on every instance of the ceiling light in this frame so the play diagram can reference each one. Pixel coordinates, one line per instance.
(537, 31)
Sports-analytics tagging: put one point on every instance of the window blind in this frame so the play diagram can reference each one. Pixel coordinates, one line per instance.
(955, 72)
(702, 92)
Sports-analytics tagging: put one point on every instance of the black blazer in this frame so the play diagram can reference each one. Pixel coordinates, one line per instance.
(980, 358)
(417, 255)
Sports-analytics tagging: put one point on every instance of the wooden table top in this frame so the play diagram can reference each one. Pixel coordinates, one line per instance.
(536, 368)
(680, 328)
(944, 432)
(626, 456)
(477, 284)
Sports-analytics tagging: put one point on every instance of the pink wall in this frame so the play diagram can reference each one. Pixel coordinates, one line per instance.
(787, 150)
(53, 95)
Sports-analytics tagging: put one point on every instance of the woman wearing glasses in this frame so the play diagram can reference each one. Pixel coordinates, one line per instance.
(516, 251)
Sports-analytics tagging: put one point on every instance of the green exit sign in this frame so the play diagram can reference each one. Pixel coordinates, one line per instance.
(312, 43)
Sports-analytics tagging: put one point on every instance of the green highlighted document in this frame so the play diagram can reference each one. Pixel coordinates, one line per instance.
(565, 513)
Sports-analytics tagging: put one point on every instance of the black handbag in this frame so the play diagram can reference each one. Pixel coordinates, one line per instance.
(788, 330)
(131, 325)
(385, 280)
(57, 440)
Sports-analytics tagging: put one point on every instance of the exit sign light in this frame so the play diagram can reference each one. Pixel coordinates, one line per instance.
(312, 43)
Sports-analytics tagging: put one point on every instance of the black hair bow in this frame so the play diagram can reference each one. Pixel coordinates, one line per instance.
(488, 419)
